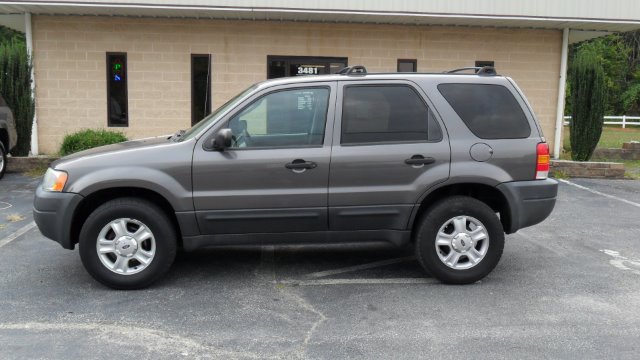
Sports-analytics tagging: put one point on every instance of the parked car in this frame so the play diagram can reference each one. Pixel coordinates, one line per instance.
(447, 163)
(8, 135)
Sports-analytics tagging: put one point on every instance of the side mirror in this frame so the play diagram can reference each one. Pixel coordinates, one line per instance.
(223, 139)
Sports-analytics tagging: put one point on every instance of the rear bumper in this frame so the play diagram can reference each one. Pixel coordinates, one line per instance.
(529, 202)
(53, 213)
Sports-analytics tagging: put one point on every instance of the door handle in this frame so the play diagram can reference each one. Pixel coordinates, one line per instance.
(419, 160)
(299, 165)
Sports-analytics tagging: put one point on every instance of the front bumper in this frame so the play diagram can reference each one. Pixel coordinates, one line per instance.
(53, 213)
(529, 202)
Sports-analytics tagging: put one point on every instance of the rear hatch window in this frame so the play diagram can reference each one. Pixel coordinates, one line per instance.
(489, 111)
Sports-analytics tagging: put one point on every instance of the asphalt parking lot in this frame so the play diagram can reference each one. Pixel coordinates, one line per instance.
(567, 288)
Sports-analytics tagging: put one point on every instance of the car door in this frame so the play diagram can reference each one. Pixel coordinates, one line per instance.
(274, 177)
(388, 148)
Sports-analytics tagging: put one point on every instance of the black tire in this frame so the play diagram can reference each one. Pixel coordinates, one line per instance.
(440, 214)
(153, 218)
(3, 159)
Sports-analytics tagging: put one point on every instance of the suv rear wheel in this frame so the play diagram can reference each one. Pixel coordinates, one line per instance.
(127, 243)
(459, 240)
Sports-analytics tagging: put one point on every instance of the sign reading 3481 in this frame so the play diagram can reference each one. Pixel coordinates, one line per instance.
(308, 70)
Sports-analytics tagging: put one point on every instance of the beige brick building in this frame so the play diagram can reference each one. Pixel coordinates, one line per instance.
(157, 40)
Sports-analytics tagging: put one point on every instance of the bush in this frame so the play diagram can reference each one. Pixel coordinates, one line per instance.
(15, 87)
(87, 139)
(588, 100)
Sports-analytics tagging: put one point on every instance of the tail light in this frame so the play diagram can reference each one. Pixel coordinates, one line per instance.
(542, 161)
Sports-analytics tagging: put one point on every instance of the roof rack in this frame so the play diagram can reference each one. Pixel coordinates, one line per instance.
(353, 70)
(480, 70)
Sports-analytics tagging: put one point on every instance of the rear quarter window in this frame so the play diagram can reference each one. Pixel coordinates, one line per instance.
(489, 111)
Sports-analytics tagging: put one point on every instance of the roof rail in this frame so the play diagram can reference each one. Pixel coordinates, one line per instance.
(480, 70)
(353, 70)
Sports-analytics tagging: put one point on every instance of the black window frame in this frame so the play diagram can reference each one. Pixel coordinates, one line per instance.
(483, 63)
(374, 143)
(413, 62)
(251, 101)
(126, 88)
(473, 130)
(294, 58)
(209, 89)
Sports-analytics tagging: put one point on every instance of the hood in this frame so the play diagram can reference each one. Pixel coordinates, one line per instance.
(113, 149)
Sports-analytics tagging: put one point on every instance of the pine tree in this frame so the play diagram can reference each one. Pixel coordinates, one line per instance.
(15, 87)
(588, 99)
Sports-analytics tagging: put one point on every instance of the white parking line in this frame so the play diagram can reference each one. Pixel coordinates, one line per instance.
(321, 282)
(622, 262)
(360, 267)
(16, 234)
(599, 193)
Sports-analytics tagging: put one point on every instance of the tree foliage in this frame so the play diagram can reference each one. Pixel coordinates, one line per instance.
(589, 99)
(7, 35)
(619, 55)
(15, 85)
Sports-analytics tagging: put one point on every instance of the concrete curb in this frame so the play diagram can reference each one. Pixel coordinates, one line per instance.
(587, 169)
(21, 164)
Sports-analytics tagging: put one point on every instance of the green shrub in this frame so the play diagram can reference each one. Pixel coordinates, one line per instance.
(87, 139)
(588, 100)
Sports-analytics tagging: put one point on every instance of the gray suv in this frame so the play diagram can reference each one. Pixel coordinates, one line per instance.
(8, 136)
(446, 163)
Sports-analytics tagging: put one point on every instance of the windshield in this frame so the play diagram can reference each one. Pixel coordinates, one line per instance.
(213, 117)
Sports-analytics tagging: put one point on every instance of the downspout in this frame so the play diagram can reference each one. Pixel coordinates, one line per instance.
(29, 37)
(562, 83)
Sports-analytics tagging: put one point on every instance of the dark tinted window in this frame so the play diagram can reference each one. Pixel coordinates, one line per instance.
(407, 65)
(481, 63)
(489, 111)
(117, 102)
(200, 87)
(281, 66)
(284, 118)
(372, 114)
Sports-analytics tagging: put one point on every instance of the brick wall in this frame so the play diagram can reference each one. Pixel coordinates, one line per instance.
(70, 63)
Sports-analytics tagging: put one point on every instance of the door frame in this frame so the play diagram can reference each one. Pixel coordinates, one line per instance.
(269, 219)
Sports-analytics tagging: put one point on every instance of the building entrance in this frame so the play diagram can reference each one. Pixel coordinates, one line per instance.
(283, 66)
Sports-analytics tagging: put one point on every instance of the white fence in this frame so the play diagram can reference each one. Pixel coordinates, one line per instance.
(622, 120)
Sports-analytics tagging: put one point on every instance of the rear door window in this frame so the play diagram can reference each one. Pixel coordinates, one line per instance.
(386, 114)
(489, 111)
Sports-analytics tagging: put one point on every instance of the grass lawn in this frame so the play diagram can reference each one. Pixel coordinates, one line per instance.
(612, 137)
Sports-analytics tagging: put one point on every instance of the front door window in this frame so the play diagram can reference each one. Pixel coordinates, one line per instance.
(287, 118)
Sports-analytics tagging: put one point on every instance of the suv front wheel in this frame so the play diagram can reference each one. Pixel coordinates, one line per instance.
(127, 243)
(3, 159)
(459, 240)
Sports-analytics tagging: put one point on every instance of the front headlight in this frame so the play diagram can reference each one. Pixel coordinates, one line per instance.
(54, 180)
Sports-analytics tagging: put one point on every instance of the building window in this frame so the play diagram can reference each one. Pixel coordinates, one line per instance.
(407, 65)
(117, 101)
(483, 63)
(283, 66)
(200, 87)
